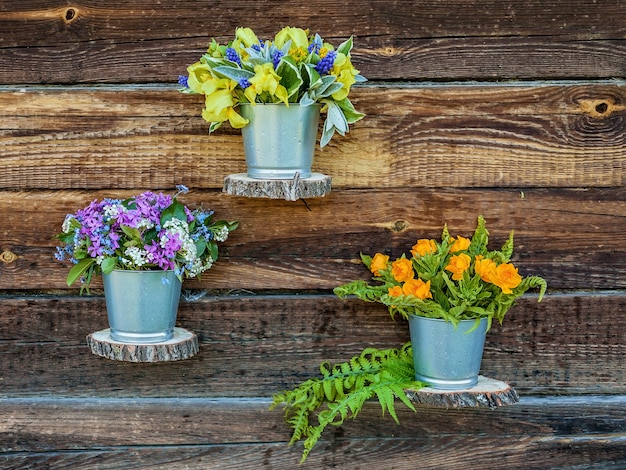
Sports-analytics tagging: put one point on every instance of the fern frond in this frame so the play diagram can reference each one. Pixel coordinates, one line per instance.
(344, 388)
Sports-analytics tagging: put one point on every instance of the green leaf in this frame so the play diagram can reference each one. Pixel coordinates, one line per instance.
(234, 73)
(132, 233)
(290, 75)
(108, 265)
(79, 269)
(351, 114)
(345, 47)
(175, 210)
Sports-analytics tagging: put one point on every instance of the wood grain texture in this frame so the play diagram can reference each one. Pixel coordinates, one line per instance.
(183, 345)
(285, 245)
(438, 136)
(435, 40)
(488, 392)
(258, 345)
(560, 433)
(291, 189)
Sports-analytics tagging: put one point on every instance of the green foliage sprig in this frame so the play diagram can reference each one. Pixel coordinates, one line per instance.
(344, 388)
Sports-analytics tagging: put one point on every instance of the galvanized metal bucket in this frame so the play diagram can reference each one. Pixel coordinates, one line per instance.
(141, 305)
(279, 140)
(445, 357)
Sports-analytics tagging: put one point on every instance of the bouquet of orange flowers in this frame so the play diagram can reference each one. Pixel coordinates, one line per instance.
(454, 279)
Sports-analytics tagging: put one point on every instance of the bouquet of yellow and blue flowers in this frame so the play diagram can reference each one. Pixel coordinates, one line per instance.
(293, 68)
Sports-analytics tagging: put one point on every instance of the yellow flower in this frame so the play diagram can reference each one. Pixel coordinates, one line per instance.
(198, 74)
(345, 73)
(246, 36)
(266, 80)
(402, 270)
(395, 291)
(485, 268)
(299, 38)
(219, 102)
(460, 244)
(379, 263)
(417, 288)
(423, 247)
(507, 278)
(458, 265)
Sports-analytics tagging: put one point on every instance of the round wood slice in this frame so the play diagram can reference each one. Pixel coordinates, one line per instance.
(239, 184)
(183, 345)
(489, 393)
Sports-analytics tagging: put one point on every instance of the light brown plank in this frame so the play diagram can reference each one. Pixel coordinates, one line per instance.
(440, 136)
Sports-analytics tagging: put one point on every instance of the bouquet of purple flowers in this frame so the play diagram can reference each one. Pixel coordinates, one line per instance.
(149, 231)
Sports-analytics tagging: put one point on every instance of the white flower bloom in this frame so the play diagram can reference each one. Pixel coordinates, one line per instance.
(222, 235)
(113, 210)
(67, 223)
(137, 256)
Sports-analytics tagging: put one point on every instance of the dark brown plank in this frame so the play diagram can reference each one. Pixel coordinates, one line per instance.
(96, 43)
(439, 136)
(257, 345)
(560, 433)
(282, 245)
(401, 454)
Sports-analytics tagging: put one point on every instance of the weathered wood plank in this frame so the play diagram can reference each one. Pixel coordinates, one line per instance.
(282, 245)
(99, 43)
(602, 453)
(561, 433)
(258, 345)
(439, 136)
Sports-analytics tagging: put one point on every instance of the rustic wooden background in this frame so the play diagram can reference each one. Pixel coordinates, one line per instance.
(515, 110)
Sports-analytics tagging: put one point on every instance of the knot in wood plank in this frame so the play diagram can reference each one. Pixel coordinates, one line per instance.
(8, 257)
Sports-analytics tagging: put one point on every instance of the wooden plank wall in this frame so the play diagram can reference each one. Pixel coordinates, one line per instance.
(515, 110)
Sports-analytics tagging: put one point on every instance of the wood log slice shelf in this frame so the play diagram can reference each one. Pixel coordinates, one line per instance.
(487, 393)
(240, 184)
(183, 345)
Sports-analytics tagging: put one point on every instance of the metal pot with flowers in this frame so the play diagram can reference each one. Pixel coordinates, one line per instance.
(450, 291)
(144, 247)
(274, 91)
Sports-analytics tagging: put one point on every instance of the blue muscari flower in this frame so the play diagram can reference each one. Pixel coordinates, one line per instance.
(325, 64)
(231, 54)
(244, 83)
(316, 44)
(276, 56)
(182, 80)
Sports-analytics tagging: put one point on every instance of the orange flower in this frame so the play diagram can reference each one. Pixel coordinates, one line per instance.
(460, 244)
(379, 263)
(417, 288)
(485, 268)
(395, 291)
(423, 247)
(507, 278)
(458, 265)
(402, 270)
